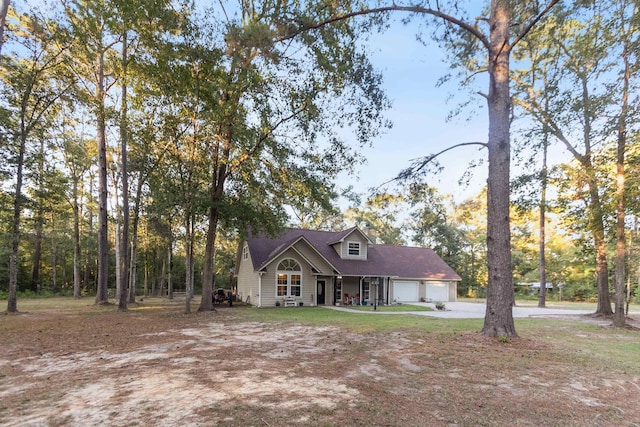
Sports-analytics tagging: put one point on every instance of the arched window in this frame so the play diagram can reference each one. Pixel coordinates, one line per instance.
(288, 279)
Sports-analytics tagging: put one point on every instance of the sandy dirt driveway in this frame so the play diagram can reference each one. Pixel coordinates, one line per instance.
(155, 366)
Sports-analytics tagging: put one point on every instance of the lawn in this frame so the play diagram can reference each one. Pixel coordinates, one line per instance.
(389, 308)
(68, 362)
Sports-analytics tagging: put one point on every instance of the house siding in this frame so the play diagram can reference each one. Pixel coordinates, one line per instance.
(314, 258)
(355, 238)
(248, 281)
(307, 286)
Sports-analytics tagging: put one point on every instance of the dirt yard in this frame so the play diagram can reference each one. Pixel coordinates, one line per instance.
(155, 366)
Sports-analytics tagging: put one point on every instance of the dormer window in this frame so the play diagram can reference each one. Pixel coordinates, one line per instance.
(354, 249)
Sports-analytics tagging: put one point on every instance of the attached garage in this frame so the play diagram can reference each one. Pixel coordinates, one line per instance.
(405, 291)
(438, 291)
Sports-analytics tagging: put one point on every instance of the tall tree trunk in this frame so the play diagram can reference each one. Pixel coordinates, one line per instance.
(188, 262)
(124, 241)
(90, 260)
(542, 300)
(54, 264)
(170, 269)
(4, 8)
(206, 303)
(102, 295)
(118, 255)
(76, 241)
(217, 192)
(133, 268)
(39, 222)
(621, 250)
(498, 320)
(37, 254)
(12, 300)
(163, 274)
(602, 268)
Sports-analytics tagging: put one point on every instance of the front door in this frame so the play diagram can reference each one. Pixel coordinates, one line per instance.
(321, 292)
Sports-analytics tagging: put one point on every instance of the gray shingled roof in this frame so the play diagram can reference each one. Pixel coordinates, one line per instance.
(383, 260)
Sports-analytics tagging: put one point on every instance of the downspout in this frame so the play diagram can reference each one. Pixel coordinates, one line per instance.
(260, 289)
(388, 286)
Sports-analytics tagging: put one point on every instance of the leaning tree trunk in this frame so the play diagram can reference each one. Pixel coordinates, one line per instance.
(498, 320)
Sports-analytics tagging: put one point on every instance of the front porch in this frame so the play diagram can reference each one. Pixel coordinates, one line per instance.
(361, 290)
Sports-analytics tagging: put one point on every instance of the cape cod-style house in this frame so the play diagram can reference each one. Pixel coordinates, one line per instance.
(308, 267)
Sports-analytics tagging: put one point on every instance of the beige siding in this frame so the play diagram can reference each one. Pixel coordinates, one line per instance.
(247, 281)
(356, 238)
(314, 258)
(453, 291)
(308, 285)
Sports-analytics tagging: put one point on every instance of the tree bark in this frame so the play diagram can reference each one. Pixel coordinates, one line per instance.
(619, 320)
(12, 299)
(124, 240)
(76, 240)
(188, 262)
(498, 320)
(542, 299)
(102, 295)
(170, 269)
(4, 8)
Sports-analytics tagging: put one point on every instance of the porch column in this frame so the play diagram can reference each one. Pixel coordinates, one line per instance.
(260, 289)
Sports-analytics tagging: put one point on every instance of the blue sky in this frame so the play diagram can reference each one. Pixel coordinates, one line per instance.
(419, 111)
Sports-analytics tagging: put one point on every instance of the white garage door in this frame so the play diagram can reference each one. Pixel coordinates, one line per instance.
(438, 292)
(405, 291)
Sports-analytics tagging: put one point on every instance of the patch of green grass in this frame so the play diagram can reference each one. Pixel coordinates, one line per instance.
(390, 308)
(586, 343)
(358, 322)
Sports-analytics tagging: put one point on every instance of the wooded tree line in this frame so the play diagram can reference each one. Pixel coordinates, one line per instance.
(140, 140)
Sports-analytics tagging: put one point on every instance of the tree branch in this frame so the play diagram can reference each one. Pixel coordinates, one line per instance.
(426, 160)
(264, 137)
(533, 22)
(393, 8)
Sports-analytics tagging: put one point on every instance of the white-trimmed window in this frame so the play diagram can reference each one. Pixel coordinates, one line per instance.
(365, 291)
(353, 248)
(245, 252)
(289, 279)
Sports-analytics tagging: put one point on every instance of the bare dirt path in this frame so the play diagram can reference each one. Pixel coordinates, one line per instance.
(157, 366)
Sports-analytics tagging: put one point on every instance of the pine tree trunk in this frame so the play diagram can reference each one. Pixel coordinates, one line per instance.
(76, 241)
(498, 320)
(124, 241)
(12, 298)
(170, 269)
(542, 300)
(102, 295)
(188, 264)
(4, 8)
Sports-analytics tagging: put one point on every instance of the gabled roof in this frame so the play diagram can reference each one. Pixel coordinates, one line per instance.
(382, 260)
(340, 236)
